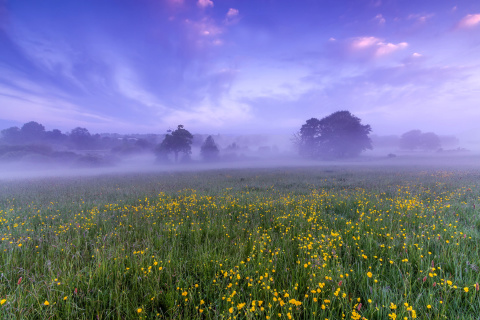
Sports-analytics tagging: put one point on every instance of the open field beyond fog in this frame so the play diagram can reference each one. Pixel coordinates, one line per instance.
(291, 243)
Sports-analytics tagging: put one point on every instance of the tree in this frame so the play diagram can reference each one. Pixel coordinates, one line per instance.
(416, 139)
(410, 140)
(81, 138)
(339, 135)
(308, 138)
(55, 136)
(209, 150)
(32, 131)
(11, 135)
(430, 141)
(176, 142)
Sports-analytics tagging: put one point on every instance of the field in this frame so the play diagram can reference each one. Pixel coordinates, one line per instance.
(296, 243)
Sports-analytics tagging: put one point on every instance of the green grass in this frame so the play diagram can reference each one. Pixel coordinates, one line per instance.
(317, 243)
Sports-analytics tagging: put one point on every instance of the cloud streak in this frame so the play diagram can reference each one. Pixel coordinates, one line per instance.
(365, 48)
(215, 65)
(205, 3)
(469, 21)
(374, 46)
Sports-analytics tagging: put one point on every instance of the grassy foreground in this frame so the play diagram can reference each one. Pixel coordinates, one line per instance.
(242, 244)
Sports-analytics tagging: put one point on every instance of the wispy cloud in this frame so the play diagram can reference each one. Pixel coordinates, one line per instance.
(380, 19)
(205, 3)
(210, 115)
(413, 92)
(232, 16)
(25, 103)
(420, 18)
(362, 49)
(469, 21)
(374, 46)
(253, 65)
(232, 13)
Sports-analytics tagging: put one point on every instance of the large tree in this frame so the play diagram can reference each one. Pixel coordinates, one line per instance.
(209, 150)
(176, 142)
(55, 136)
(32, 131)
(339, 135)
(11, 135)
(81, 138)
(411, 140)
(416, 139)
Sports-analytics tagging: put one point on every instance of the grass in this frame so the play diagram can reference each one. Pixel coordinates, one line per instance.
(318, 243)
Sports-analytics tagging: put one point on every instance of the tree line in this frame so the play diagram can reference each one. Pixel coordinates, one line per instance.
(32, 142)
(336, 136)
(179, 144)
(78, 138)
(342, 135)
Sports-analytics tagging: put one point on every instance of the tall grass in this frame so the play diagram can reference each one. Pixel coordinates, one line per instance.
(242, 244)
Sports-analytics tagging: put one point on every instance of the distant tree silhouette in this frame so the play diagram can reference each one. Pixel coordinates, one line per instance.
(176, 142)
(233, 147)
(55, 136)
(430, 141)
(416, 139)
(410, 140)
(32, 131)
(81, 138)
(308, 139)
(11, 135)
(142, 144)
(339, 135)
(209, 150)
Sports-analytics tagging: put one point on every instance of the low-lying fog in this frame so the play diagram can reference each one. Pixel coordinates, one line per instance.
(147, 163)
(130, 154)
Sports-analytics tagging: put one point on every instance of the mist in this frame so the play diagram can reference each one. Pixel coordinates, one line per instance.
(250, 152)
(248, 75)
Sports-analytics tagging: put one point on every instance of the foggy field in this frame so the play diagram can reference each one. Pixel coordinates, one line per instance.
(376, 239)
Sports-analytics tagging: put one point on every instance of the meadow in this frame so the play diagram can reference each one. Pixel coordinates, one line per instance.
(287, 243)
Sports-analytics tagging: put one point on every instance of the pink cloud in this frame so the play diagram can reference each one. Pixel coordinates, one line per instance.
(232, 12)
(231, 16)
(364, 42)
(414, 58)
(380, 19)
(203, 34)
(204, 27)
(375, 46)
(205, 3)
(387, 48)
(420, 18)
(469, 21)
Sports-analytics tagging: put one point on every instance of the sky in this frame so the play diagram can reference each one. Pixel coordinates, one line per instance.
(240, 66)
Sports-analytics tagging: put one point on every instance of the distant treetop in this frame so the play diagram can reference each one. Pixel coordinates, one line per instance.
(339, 135)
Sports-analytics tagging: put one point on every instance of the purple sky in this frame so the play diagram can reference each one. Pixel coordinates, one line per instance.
(240, 66)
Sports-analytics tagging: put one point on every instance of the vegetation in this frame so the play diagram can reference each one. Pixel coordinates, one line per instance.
(418, 140)
(209, 150)
(323, 243)
(32, 144)
(340, 135)
(177, 142)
